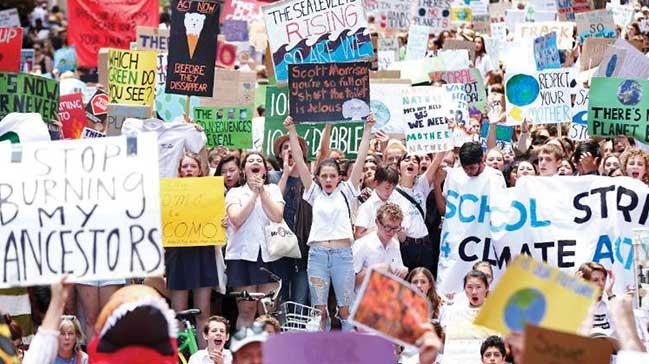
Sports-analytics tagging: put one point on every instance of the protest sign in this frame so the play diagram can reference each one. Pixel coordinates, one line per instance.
(387, 108)
(565, 221)
(546, 53)
(9, 18)
(235, 30)
(596, 24)
(564, 32)
(458, 107)
(481, 24)
(461, 44)
(226, 54)
(191, 57)
(329, 92)
(568, 8)
(533, 292)
(247, 10)
(343, 35)
(72, 115)
(88, 133)
(97, 109)
(345, 137)
(619, 106)
(498, 31)
(543, 96)
(160, 72)
(497, 12)
(461, 15)
(641, 269)
(622, 14)
(230, 127)
(436, 15)
(387, 52)
(424, 111)
(232, 88)
(26, 60)
(118, 113)
(11, 42)
(417, 42)
(579, 124)
(315, 347)
(622, 59)
(391, 308)
(107, 24)
(21, 92)
(169, 106)
(592, 52)
(462, 351)
(65, 59)
(514, 17)
(549, 346)
(192, 210)
(92, 212)
(131, 77)
(152, 39)
(472, 83)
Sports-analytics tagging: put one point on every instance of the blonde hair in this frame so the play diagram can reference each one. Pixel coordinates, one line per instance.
(76, 327)
(628, 154)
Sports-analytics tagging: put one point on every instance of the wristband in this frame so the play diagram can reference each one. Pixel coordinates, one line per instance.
(611, 297)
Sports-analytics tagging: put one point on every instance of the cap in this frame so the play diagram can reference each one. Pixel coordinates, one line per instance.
(248, 335)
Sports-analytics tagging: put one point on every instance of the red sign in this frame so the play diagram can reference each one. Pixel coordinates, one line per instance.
(97, 110)
(226, 54)
(11, 42)
(72, 115)
(107, 24)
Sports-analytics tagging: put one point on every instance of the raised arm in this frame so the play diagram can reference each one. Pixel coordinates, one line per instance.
(298, 157)
(355, 176)
(434, 166)
(325, 142)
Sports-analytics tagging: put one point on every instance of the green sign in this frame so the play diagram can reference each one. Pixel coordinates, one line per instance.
(619, 106)
(230, 127)
(21, 92)
(345, 137)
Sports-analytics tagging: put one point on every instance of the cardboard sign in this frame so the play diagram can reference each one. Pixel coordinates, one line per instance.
(386, 107)
(192, 211)
(497, 12)
(619, 107)
(425, 110)
(592, 52)
(417, 42)
(595, 24)
(26, 60)
(345, 137)
(152, 39)
(568, 8)
(88, 133)
(191, 58)
(315, 347)
(232, 88)
(161, 72)
(293, 39)
(329, 92)
(533, 292)
(230, 127)
(11, 42)
(114, 28)
(622, 14)
(100, 212)
(436, 15)
(387, 52)
(9, 18)
(97, 109)
(131, 77)
(390, 307)
(118, 113)
(543, 97)
(21, 92)
(622, 59)
(549, 346)
(461, 44)
(564, 32)
(235, 30)
(546, 53)
(579, 124)
(72, 115)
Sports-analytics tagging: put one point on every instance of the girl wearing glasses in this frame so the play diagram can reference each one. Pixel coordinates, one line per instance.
(330, 254)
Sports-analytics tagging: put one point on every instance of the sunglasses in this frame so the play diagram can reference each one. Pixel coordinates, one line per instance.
(256, 329)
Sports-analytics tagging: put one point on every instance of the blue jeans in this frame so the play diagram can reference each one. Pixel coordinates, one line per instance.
(334, 265)
(300, 287)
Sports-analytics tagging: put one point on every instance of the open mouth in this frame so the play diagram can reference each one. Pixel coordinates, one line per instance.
(635, 174)
(144, 323)
(255, 170)
(475, 300)
(410, 169)
(218, 342)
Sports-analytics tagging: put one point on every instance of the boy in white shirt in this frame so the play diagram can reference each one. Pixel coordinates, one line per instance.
(216, 333)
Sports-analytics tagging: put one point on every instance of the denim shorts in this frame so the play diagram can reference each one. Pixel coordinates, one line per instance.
(331, 265)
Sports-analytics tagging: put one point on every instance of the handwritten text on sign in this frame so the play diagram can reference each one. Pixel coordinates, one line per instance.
(192, 211)
(329, 92)
(131, 77)
(20, 92)
(230, 127)
(87, 208)
(425, 114)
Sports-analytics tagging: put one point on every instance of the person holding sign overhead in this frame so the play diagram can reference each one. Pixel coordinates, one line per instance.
(330, 255)
(191, 268)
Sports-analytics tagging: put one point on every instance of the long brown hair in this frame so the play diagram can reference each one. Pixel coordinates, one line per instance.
(432, 295)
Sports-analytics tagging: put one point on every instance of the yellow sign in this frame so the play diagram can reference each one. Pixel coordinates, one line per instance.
(131, 77)
(536, 293)
(192, 211)
(461, 14)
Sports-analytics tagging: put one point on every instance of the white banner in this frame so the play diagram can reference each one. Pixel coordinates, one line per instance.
(565, 221)
(86, 208)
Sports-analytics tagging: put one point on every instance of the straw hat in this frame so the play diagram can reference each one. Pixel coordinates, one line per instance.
(277, 144)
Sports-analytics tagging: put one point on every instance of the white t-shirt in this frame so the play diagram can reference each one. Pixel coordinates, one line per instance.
(369, 251)
(602, 322)
(173, 139)
(458, 322)
(202, 357)
(416, 227)
(366, 217)
(331, 220)
(244, 243)
(456, 179)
